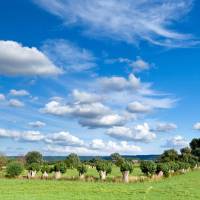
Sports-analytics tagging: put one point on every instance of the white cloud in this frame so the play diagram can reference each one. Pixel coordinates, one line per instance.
(85, 97)
(2, 97)
(197, 126)
(65, 139)
(69, 56)
(129, 20)
(165, 127)
(176, 142)
(19, 92)
(16, 59)
(139, 133)
(37, 124)
(104, 121)
(137, 107)
(15, 103)
(30, 136)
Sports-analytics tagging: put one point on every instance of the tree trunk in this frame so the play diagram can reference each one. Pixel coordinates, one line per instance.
(57, 175)
(102, 175)
(45, 175)
(125, 176)
(82, 176)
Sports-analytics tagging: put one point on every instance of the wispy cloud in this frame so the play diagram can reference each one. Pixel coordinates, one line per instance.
(128, 20)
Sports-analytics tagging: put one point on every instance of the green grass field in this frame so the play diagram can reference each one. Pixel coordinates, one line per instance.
(178, 187)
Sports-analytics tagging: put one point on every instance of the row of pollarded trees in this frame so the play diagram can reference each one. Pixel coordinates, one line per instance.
(171, 162)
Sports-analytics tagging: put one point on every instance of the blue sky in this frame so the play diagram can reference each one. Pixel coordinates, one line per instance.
(96, 77)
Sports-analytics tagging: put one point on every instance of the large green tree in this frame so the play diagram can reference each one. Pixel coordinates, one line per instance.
(72, 161)
(33, 157)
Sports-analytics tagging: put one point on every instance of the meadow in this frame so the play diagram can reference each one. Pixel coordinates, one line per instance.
(178, 187)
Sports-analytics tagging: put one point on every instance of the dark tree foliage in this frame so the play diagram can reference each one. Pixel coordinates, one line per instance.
(45, 168)
(34, 167)
(168, 156)
(72, 161)
(103, 165)
(126, 166)
(33, 157)
(82, 169)
(195, 146)
(60, 166)
(164, 167)
(148, 167)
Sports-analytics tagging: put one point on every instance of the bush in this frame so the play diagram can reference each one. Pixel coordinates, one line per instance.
(148, 167)
(104, 166)
(60, 166)
(82, 169)
(168, 156)
(126, 166)
(14, 169)
(117, 159)
(164, 167)
(174, 166)
(34, 167)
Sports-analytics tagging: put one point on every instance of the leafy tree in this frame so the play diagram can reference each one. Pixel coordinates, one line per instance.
(34, 167)
(195, 146)
(72, 161)
(45, 168)
(148, 167)
(104, 168)
(164, 167)
(14, 169)
(117, 159)
(185, 150)
(126, 168)
(3, 161)
(174, 166)
(60, 167)
(33, 157)
(82, 169)
(169, 155)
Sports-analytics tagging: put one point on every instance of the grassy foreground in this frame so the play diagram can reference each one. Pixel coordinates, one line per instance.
(176, 188)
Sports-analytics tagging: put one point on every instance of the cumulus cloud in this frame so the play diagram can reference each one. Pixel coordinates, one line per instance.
(65, 139)
(104, 121)
(37, 124)
(71, 57)
(2, 97)
(137, 107)
(85, 97)
(128, 20)
(139, 133)
(16, 59)
(19, 92)
(197, 126)
(29, 136)
(176, 142)
(165, 127)
(15, 103)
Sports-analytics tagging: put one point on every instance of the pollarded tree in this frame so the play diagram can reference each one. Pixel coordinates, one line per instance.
(148, 167)
(117, 159)
(104, 168)
(126, 168)
(59, 168)
(72, 161)
(33, 157)
(33, 168)
(163, 167)
(45, 169)
(82, 169)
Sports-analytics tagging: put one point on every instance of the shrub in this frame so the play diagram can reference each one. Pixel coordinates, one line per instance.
(169, 155)
(82, 169)
(14, 169)
(126, 166)
(34, 167)
(60, 166)
(148, 167)
(33, 157)
(164, 167)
